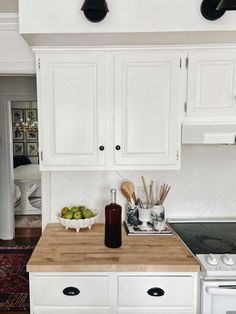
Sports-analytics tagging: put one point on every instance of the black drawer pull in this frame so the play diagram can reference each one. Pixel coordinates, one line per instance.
(156, 292)
(101, 148)
(71, 291)
(118, 147)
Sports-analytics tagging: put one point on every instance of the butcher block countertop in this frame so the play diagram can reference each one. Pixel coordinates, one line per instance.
(61, 250)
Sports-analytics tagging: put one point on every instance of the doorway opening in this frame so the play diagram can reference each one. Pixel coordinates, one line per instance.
(20, 179)
(27, 179)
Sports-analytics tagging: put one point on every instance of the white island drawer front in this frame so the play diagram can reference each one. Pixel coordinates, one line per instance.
(71, 290)
(69, 311)
(156, 291)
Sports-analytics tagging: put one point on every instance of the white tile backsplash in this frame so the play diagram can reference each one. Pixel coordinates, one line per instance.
(204, 187)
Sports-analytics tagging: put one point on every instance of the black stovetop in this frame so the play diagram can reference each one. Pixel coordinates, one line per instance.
(207, 237)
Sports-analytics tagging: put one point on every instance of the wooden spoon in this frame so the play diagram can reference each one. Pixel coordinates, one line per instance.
(146, 192)
(127, 191)
(126, 195)
(130, 187)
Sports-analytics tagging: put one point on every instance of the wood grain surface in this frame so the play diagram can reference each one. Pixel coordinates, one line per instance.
(61, 250)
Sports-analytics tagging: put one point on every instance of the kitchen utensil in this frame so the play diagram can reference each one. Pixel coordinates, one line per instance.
(140, 203)
(164, 190)
(151, 193)
(146, 192)
(127, 192)
(128, 185)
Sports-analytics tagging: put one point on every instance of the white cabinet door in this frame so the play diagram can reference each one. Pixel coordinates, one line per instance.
(212, 83)
(72, 101)
(147, 98)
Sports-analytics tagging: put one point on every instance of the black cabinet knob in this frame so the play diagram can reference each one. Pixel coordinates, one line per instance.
(118, 147)
(156, 292)
(71, 291)
(101, 147)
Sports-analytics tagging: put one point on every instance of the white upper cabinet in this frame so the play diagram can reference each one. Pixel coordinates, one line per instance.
(147, 95)
(212, 83)
(72, 105)
(110, 109)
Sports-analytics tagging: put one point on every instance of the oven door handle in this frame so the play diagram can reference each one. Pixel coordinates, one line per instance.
(229, 290)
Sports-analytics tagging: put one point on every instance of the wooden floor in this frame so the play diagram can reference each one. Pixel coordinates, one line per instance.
(28, 232)
(23, 235)
(30, 235)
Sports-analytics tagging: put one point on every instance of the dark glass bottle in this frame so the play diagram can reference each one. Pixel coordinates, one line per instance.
(113, 223)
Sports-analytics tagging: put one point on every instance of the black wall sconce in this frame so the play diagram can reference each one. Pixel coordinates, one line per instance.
(214, 9)
(95, 10)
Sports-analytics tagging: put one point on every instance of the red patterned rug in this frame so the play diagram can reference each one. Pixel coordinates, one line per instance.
(14, 280)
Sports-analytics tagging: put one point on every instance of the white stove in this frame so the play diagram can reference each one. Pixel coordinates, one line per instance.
(214, 245)
(218, 264)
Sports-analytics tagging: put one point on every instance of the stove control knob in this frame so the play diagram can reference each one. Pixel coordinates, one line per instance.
(212, 260)
(227, 260)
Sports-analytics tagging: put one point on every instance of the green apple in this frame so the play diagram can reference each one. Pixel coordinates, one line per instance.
(68, 215)
(74, 209)
(64, 210)
(81, 206)
(78, 215)
(87, 213)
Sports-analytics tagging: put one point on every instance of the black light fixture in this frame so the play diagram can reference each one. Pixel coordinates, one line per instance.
(214, 9)
(227, 5)
(95, 10)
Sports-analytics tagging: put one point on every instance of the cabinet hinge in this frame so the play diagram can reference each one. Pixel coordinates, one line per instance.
(41, 155)
(39, 63)
(177, 155)
(180, 63)
(187, 62)
(185, 107)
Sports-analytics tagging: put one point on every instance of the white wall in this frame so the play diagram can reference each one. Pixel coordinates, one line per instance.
(15, 54)
(204, 187)
(16, 88)
(17, 85)
(8, 6)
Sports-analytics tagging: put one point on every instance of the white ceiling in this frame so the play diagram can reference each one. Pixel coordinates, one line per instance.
(8, 6)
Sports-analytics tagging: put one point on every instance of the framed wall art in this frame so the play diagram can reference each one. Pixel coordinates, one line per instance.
(17, 135)
(32, 149)
(18, 149)
(17, 114)
(31, 114)
(31, 135)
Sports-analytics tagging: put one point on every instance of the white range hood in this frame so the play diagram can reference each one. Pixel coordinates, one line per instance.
(128, 22)
(209, 133)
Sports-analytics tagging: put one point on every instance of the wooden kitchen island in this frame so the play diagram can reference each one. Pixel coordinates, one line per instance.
(75, 273)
